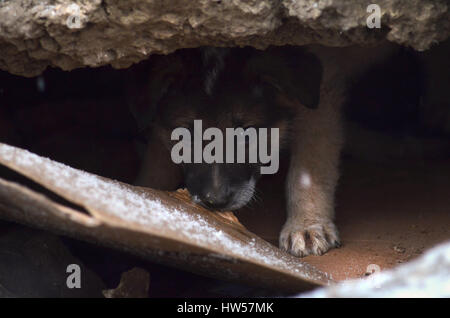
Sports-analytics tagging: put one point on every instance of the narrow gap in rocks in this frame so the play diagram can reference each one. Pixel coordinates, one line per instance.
(391, 199)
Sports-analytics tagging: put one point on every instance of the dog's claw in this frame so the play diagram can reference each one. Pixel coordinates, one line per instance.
(315, 239)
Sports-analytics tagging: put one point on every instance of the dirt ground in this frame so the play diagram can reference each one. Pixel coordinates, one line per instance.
(386, 215)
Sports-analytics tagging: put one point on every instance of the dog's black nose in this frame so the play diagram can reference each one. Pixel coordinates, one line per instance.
(216, 199)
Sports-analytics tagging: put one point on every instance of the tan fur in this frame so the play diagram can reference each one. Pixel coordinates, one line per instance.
(316, 146)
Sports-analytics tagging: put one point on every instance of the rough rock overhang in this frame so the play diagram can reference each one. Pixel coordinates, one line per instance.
(71, 34)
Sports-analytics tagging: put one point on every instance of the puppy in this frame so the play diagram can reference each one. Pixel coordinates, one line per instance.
(288, 88)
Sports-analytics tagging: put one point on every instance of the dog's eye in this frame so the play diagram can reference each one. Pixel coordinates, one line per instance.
(245, 129)
(257, 91)
(239, 124)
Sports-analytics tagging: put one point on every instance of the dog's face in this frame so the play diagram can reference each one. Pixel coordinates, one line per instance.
(236, 97)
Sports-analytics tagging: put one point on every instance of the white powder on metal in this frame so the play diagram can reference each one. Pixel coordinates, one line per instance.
(113, 198)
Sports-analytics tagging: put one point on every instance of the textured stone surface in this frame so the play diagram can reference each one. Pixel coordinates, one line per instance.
(70, 34)
(425, 277)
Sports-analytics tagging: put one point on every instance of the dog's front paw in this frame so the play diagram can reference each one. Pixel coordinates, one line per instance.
(312, 239)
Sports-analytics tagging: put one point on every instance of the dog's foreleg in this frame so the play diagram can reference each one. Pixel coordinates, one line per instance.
(313, 174)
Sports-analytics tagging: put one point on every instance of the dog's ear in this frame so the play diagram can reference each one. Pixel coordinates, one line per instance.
(150, 83)
(291, 72)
